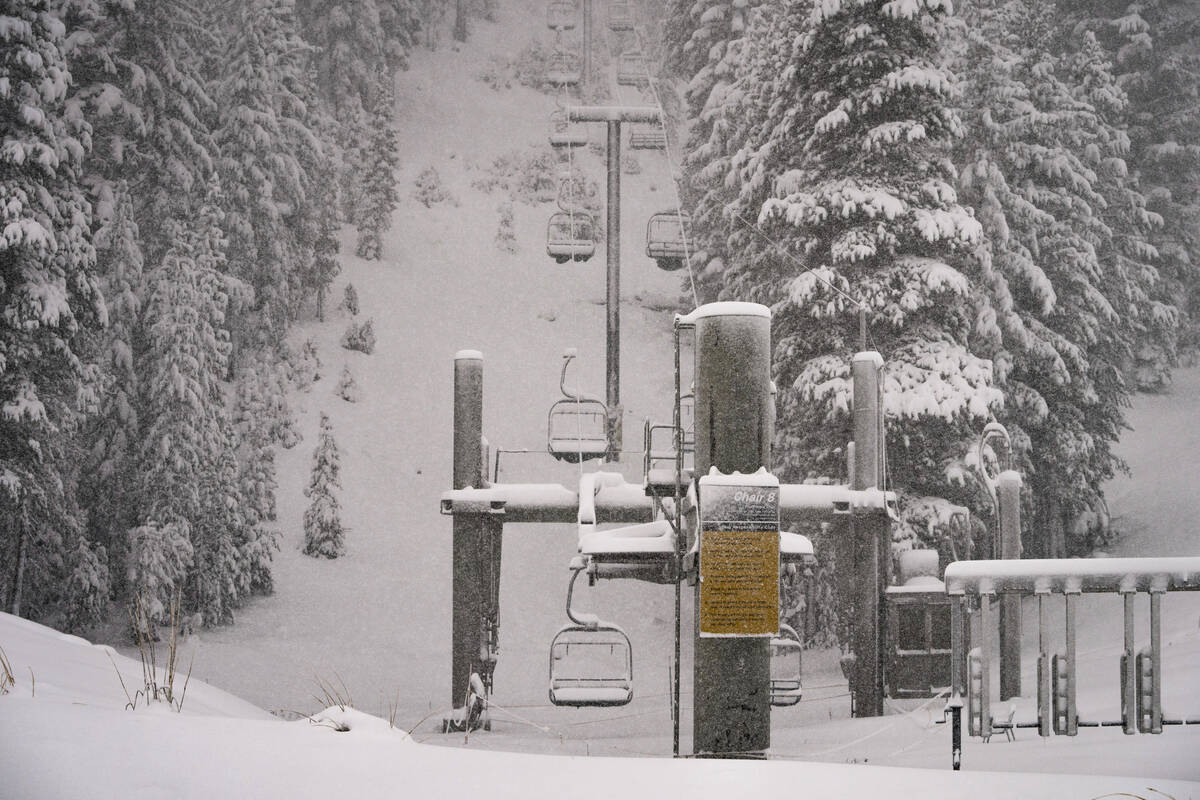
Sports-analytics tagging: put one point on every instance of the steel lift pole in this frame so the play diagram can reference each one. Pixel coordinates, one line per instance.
(613, 117)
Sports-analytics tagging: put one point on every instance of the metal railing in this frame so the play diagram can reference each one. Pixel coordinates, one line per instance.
(1141, 671)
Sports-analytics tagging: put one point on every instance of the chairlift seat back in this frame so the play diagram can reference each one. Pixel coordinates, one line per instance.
(577, 430)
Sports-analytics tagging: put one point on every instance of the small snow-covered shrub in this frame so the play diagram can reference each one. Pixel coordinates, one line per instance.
(159, 558)
(506, 239)
(87, 588)
(360, 337)
(306, 368)
(529, 67)
(347, 387)
(527, 176)
(350, 299)
(497, 75)
(430, 191)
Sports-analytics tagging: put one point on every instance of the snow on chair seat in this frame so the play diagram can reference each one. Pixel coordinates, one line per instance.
(591, 695)
(570, 236)
(560, 15)
(560, 140)
(795, 548)
(648, 139)
(631, 70)
(641, 552)
(577, 430)
(786, 664)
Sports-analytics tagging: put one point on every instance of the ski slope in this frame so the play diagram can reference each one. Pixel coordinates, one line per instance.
(377, 621)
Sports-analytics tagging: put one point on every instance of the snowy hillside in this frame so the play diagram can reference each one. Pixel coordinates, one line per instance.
(376, 621)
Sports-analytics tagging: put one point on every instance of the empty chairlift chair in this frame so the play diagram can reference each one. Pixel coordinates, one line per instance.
(631, 69)
(563, 136)
(620, 17)
(560, 15)
(786, 667)
(591, 666)
(562, 70)
(667, 235)
(659, 460)
(647, 138)
(591, 662)
(570, 236)
(577, 425)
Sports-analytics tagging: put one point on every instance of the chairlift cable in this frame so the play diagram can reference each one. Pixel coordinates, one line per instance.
(662, 121)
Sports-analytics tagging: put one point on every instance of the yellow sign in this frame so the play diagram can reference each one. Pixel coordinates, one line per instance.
(739, 584)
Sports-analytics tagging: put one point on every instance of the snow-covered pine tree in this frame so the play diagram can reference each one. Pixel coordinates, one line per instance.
(347, 387)
(189, 477)
(729, 101)
(350, 299)
(1155, 59)
(857, 120)
(351, 50)
(110, 439)
(1042, 166)
(261, 173)
(400, 24)
(323, 531)
(377, 175)
(49, 297)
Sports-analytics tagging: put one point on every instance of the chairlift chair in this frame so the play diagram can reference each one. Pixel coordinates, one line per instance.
(562, 70)
(631, 69)
(620, 18)
(568, 139)
(570, 236)
(560, 15)
(577, 425)
(648, 138)
(659, 460)
(591, 662)
(666, 237)
(786, 667)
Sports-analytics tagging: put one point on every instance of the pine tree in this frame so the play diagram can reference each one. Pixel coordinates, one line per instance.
(323, 531)
(347, 387)
(49, 297)
(845, 144)
(379, 197)
(260, 137)
(1066, 232)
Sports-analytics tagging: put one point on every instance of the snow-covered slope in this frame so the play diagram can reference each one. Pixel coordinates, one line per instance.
(378, 619)
(65, 737)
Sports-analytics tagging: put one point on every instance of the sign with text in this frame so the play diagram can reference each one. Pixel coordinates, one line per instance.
(739, 555)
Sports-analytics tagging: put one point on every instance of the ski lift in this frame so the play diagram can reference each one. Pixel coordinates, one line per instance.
(591, 662)
(577, 426)
(562, 136)
(562, 70)
(666, 236)
(631, 69)
(649, 138)
(659, 459)
(786, 663)
(570, 236)
(560, 15)
(620, 18)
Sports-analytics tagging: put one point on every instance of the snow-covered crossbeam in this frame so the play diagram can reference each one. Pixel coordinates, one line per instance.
(627, 502)
(614, 114)
(1055, 575)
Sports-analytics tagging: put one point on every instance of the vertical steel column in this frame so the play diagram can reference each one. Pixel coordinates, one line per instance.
(873, 552)
(733, 386)
(1069, 623)
(1045, 711)
(1155, 721)
(613, 295)
(467, 599)
(986, 626)
(587, 46)
(1129, 674)
(1010, 604)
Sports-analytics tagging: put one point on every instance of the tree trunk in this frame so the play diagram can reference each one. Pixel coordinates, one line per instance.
(19, 573)
(460, 20)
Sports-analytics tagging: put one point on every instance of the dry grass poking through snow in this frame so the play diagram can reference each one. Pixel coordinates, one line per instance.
(144, 631)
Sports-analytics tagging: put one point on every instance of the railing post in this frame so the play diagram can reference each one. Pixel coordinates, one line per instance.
(1129, 669)
(873, 552)
(1044, 696)
(1072, 726)
(1010, 603)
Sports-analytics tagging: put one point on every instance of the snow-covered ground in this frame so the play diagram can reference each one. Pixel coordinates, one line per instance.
(377, 621)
